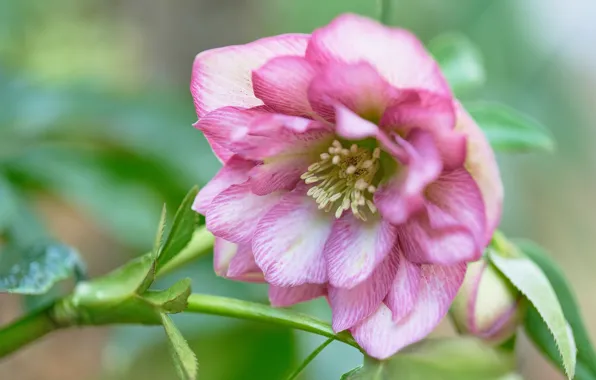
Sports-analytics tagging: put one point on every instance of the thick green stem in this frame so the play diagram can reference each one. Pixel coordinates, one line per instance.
(200, 245)
(230, 307)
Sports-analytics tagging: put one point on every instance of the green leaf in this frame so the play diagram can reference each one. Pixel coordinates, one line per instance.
(185, 222)
(439, 359)
(7, 203)
(34, 270)
(460, 61)
(184, 359)
(171, 300)
(309, 359)
(509, 130)
(525, 275)
(539, 333)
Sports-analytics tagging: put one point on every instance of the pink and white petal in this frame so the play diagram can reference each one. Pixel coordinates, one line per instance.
(222, 77)
(288, 241)
(395, 53)
(356, 86)
(234, 214)
(481, 163)
(279, 173)
(223, 252)
(288, 296)
(403, 294)
(235, 171)
(243, 266)
(350, 306)
(403, 194)
(351, 126)
(355, 249)
(282, 84)
(381, 337)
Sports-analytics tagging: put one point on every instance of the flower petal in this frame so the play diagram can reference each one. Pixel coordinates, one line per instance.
(282, 85)
(355, 248)
(356, 86)
(288, 296)
(235, 261)
(350, 306)
(235, 212)
(396, 53)
(381, 337)
(403, 294)
(235, 171)
(288, 241)
(481, 163)
(223, 252)
(351, 126)
(280, 173)
(402, 195)
(222, 77)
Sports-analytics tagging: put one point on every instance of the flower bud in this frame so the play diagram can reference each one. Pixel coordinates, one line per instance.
(487, 305)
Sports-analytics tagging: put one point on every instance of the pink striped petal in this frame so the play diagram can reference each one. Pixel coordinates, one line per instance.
(355, 248)
(395, 53)
(351, 306)
(288, 241)
(282, 85)
(403, 294)
(235, 261)
(381, 337)
(481, 163)
(235, 171)
(356, 86)
(279, 173)
(351, 126)
(403, 195)
(223, 252)
(234, 213)
(222, 77)
(288, 296)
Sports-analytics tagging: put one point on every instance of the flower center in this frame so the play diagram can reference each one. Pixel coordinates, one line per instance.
(344, 179)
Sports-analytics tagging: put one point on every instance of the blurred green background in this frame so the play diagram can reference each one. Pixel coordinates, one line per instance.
(95, 134)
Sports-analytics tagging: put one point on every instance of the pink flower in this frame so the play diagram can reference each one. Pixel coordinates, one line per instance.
(350, 172)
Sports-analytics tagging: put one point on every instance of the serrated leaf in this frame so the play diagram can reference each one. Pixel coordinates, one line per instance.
(539, 333)
(172, 300)
(185, 222)
(161, 229)
(460, 61)
(439, 359)
(526, 276)
(35, 269)
(509, 130)
(184, 358)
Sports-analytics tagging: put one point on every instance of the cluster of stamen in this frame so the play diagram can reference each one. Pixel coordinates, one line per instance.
(344, 179)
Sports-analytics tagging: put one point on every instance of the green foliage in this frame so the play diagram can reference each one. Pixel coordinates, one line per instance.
(36, 269)
(538, 331)
(525, 275)
(439, 359)
(509, 130)
(460, 61)
(183, 356)
(309, 358)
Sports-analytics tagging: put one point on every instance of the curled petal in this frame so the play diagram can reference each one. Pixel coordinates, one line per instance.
(235, 261)
(403, 294)
(288, 296)
(381, 337)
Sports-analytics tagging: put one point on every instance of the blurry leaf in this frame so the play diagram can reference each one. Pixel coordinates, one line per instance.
(184, 225)
(525, 275)
(25, 228)
(539, 333)
(439, 359)
(184, 359)
(171, 300)
(353, 374)
(34, 270)
(460, 61)
(7, 203)
(509, 130)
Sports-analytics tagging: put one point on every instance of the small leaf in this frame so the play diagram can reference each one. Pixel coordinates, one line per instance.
(525, 275)
(539, 333)
(34, 270)
(184, 359)
(171, 300)
(509, 130)
(437, 359)
(185, 222)
(460, 61)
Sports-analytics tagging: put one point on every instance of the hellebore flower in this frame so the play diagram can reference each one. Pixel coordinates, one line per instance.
(350, 171)
(487, 305)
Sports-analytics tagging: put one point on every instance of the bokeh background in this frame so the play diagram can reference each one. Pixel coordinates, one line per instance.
(95, 135)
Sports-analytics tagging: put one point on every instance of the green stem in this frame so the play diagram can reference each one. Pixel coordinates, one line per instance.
(201, 244)
(230, 307)
(309, 359)
(385, 11)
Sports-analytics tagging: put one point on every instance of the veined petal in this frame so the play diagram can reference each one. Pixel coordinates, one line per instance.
(288, 296)
(396, 53)
(282, 85)
(222, 77)
(403, 294)
(355, 248)
(381, 337)
(235, 171)
(351, 126)
(351, 306)
(279, 173)
(235, 212)
(288, 241)
(223, 252)
(235, 261)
